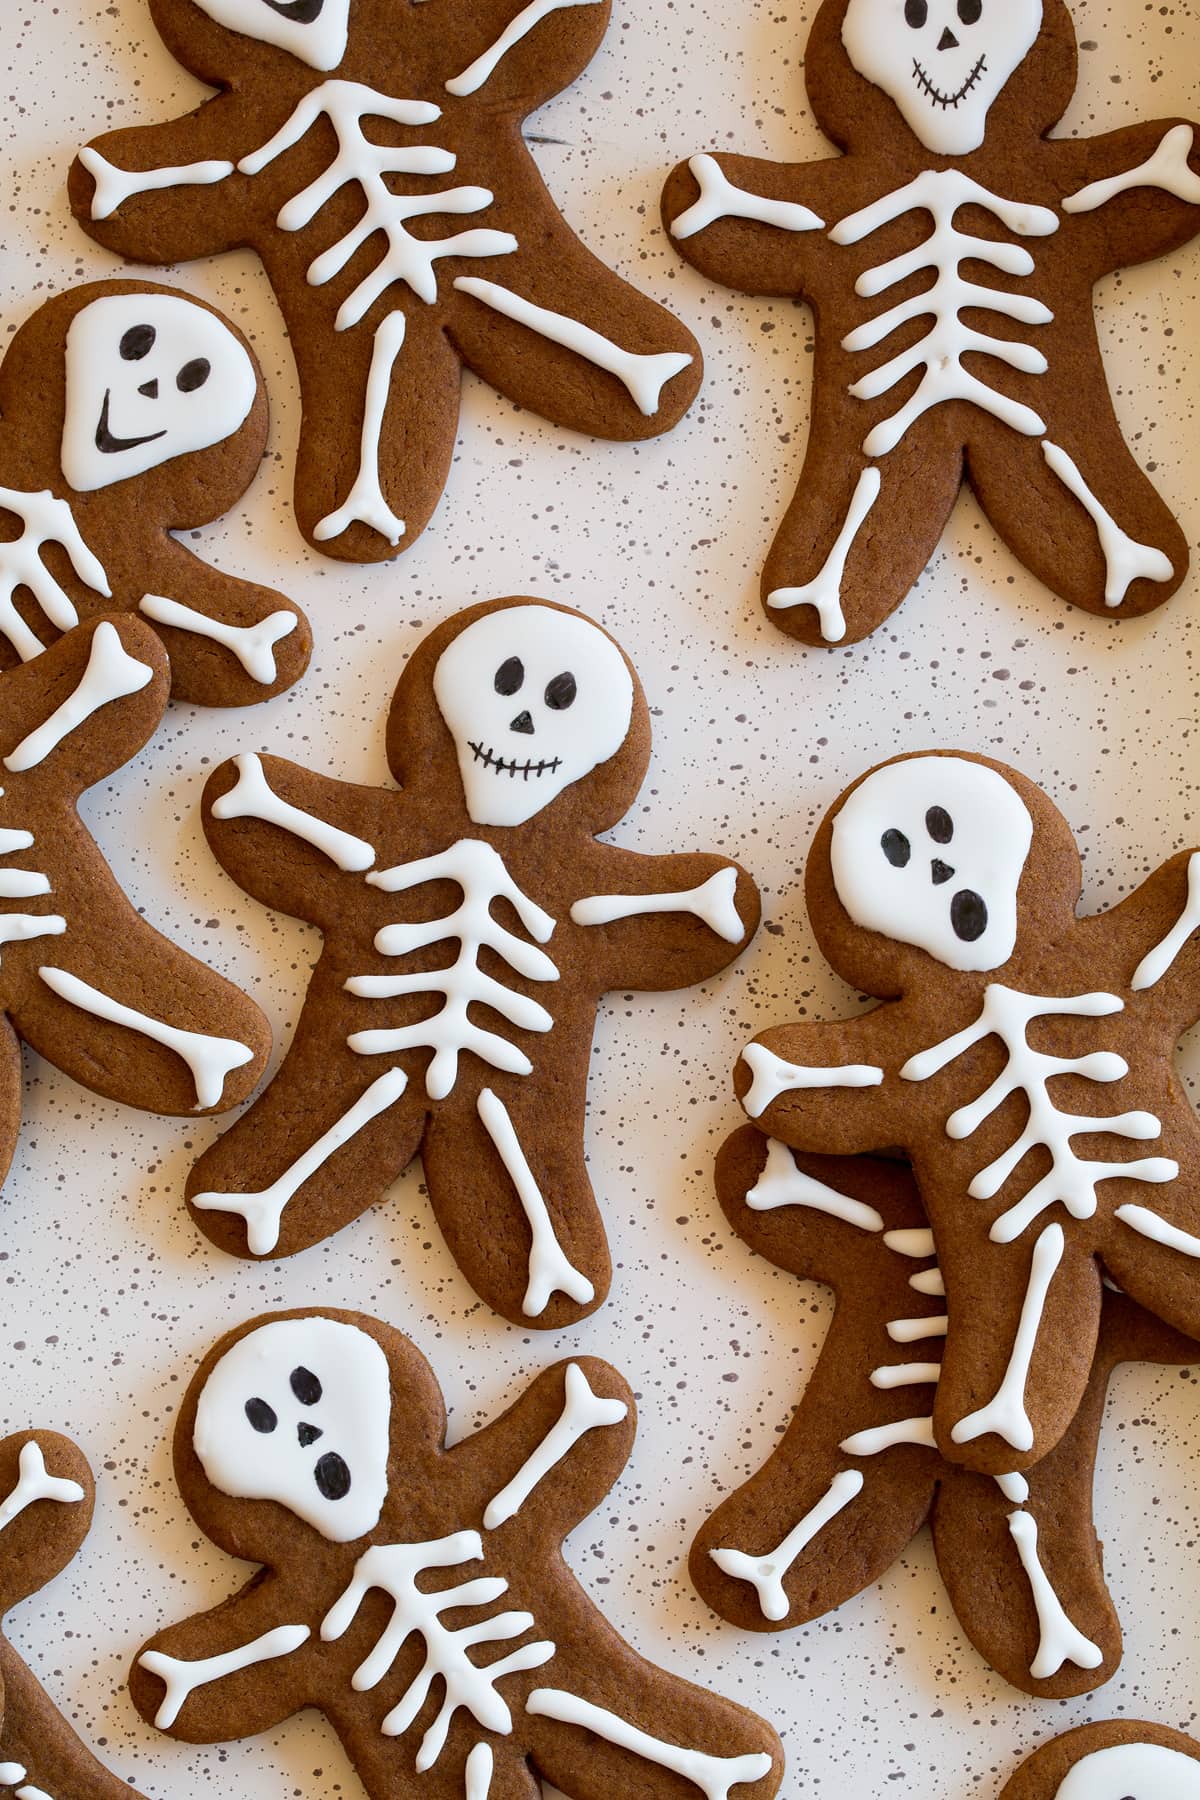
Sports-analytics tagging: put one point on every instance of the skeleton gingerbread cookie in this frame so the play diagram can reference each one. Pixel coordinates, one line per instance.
(340, 125)
(857, 1473)
(126, 412)
(84, 980)
(950, 257)
(471, 925)
(46, 1501)
(1121, 1759)
(1022, 1060)
(313, 1443)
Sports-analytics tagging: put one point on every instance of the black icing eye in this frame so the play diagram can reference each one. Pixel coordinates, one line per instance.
(332, 1476)
(137, 342)
(305, 1386)
(260, 1415)
(916, 13)
(969, 11)
(560, 693)
(896, 848)
(509, 676)
(939, 825)
(193, 375)
(968, 915)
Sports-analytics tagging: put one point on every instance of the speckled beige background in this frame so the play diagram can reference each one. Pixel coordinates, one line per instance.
(107, 1295)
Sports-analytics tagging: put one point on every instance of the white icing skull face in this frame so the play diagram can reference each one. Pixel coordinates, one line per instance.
(1133, 1772)
(312, 30)
(535, 699)
(299, 1411)
(930, 852)
(149, 377)
(942, 61)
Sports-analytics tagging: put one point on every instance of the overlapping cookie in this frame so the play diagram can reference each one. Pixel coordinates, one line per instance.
(1119, 1759)
(46, 1501)
(418, 1596)
(128, 412)
(857, 1473)
(471, 924)
(84, 979)
(1022, 1059)
(349, 134)
(950, 256)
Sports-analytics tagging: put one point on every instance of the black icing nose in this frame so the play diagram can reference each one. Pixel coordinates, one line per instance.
(522, 723)
(150, 389)
(947, 41)
(968, 915)
(939, 871)
(308, 1434)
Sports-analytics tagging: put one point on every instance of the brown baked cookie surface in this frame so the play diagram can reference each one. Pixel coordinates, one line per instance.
(1022, 1060)
(84, 979)
(46, 1501)
(471, 924)
(339, 127)
(1120, 1759)
(857, 1472)
(949, 256)
(128, 412)
(418, 1596)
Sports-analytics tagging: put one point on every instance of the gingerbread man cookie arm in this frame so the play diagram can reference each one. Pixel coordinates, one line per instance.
(1153, 937)
(747, 222)
(825, 1087)
(661, 922)
(520, 53)
(1132, 194)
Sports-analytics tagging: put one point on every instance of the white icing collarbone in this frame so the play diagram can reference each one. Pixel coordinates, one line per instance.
(480, 874)
(939, 353)
(1071, 1180)
(44, 520)
(367, 166)
(22, 884)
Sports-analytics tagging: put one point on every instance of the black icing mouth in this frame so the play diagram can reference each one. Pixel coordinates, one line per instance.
(935, 93)
(504, 765)
(303, 12)
(108, 445)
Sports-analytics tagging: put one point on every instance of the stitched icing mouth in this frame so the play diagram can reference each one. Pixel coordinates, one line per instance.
(936, 94)
(504, 765)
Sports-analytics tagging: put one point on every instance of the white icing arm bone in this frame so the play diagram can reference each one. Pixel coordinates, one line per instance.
(766, 1574)
(485, 65)
(181, 1679)
(111, 674)
(252, 797)
(1167, 169)
(721, 198)
(773, 1076)
(712, 902)
(583, 1411)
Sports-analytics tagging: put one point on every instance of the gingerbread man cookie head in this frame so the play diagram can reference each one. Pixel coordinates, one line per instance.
(313, 30)
(298, 1411)
(1115, 1759)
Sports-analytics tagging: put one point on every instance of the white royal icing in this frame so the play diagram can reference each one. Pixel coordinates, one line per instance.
(721, 198)
(114, 186)
(394, 1569)
(111, 674)
(1060, 1640)
(1125, 559)
(1014, 1487)
(917, 1242)
(939, 353)
(713, 1775)
(253, 645)
(1005, 1413)
(712, 902)
(773, 1076)
(252, 797)
(897, 1375)
(550, 1272)
(21, 884)
(912, 1331)
(644, 375)
(479, 872)
(1156, 962)
(478, 1773)
(315, 34)
(34, 1484)
(44, 520)
(1071, 1180)
(767, 1574)
(210, 1059)
(824, 591)
(181, 1679)
(366, 504)
(1132, 1772)
(583, 1411)
(1167, 169)
(13, 1774)
(783, 1184)
(485, 65)
(263, 1211)
(887, 1437)
(1158, 1230)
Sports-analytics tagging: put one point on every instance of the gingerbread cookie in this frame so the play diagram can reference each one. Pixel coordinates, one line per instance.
(950, 257)
(314, 1443)
(471, 925)
(46, 1501)
(857, 1473)
(340, 125)
(127, 412)
(1022, 1060)
(84, 980)
(1121, 1759)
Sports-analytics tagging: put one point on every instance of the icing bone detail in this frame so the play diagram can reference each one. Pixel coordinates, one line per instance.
(44, 520)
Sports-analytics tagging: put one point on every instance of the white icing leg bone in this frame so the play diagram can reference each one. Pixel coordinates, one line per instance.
(721, 198)
(1060, 1640)
(773, 1076)
(33, 1484)
(713, 1775)
(365, 503)
(1126, 560)
(583, 1411)
(767, 1574)
(783, 1184)
(253, 645)
(549, 1270)
(824, 591)
(1005, 1413)
(111, 674)
(712, 902)
(45, 520)
(183, 1678)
